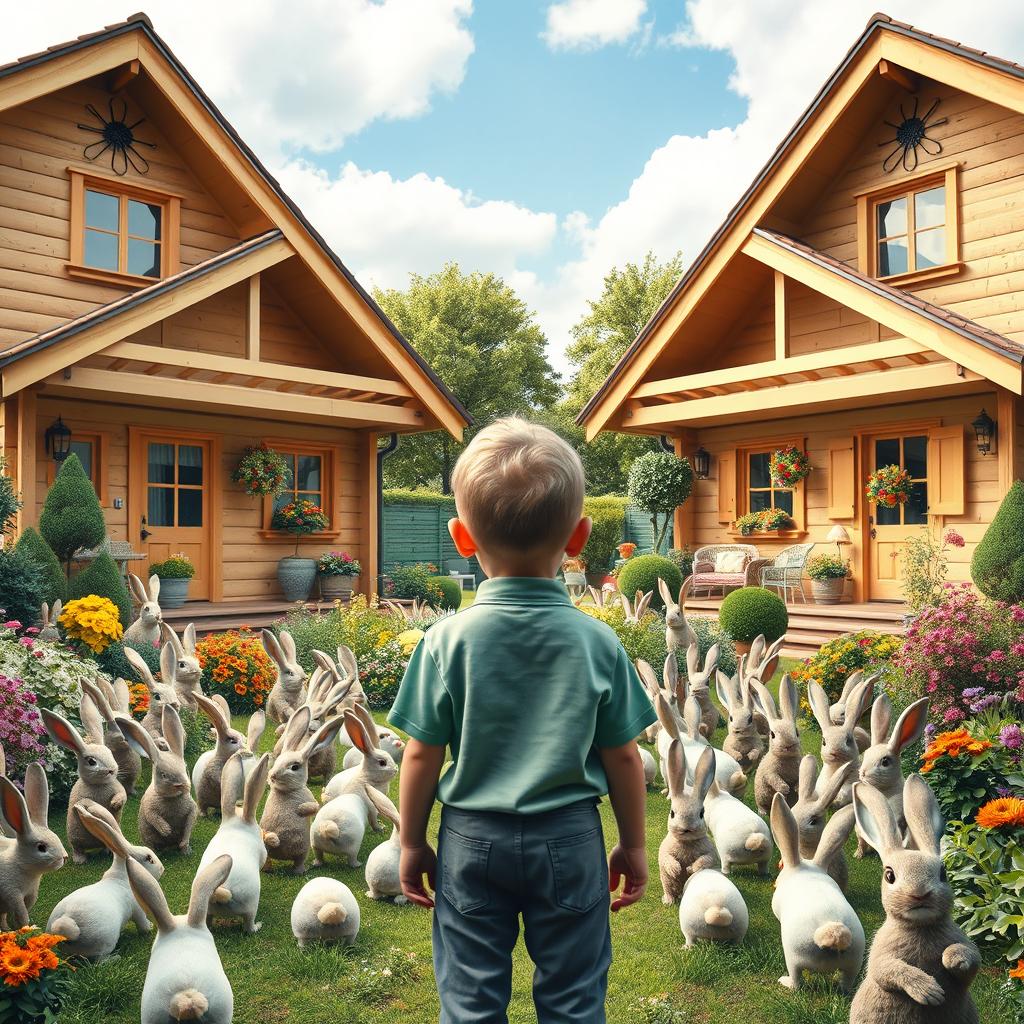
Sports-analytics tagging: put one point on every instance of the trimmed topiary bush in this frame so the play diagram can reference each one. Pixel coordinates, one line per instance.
(35, 548)
(102, 577)
(643, 573)
(609, 517)
(21, 587)
(750, 611)
(659, 483)
(997, 567)
(71, 516)
(451, 593)
(114, 663)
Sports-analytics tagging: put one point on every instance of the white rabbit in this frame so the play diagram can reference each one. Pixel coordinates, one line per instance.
(248, 747)
(112, 699)
(678, 633)
(838, 742)
(638, 609)
(241, 836)
(389, 741)
(650, 767)
(821, 932)
(325, 910)
(699, 684)
(711, 909)
(48, 621)
(811, 814)
(289, 691)
(837, 711)
(185, 979)
(380, 771)
(161, 692)
(97, 773)
(382, 877)
(188, 673)
(921, 964)
(778, 771)
(33, 852)
(740, 834)
(146, 628)
(91, 918)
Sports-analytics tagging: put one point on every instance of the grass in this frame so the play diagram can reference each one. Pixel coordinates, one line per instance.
(387, 976)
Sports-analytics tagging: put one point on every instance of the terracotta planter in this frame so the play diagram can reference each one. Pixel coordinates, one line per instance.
(173, 592)
(828, 591)
(296, 576)
(337, 588)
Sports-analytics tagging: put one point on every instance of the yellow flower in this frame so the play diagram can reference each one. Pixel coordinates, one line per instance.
(408, 639)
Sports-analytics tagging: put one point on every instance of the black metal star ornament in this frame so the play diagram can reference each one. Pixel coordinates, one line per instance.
(911, 135)
(117, 137)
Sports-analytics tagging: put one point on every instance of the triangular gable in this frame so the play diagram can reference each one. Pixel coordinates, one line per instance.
(219, 143)
(973, 71)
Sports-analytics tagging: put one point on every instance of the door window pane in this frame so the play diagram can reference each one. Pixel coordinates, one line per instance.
(308, 476)
(161, 463)
(930, 208)
(892, 217)
(83, 449)
(143, 258)
(100, 250)
(887, 452)
(759, 475)
(930, 248)
(190, 464)
(190, 507)
(160, 510)
(784, 500)
(101, 210)
(887, 516)
(892, 257)
(144, 220)
(915, 457)
(916, 509)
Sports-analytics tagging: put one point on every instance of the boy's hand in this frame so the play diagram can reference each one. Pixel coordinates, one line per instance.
(632, 865)
(414, 863)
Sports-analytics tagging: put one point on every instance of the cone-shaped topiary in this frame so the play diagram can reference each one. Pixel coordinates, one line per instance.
(643, 573)
(997, 567)
(102, 577)
(750, 611)
(71, 516)
(34, 547)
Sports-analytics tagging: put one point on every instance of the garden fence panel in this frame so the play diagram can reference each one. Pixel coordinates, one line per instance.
(637, 528)
(419, 533)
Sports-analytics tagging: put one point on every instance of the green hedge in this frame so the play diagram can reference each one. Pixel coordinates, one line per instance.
(642, 572)
(997, 566)
(400, 496)
(750, 611)
(35, 548)
(609, 516)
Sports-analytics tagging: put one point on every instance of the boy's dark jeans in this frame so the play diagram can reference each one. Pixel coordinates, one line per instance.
(552, 869)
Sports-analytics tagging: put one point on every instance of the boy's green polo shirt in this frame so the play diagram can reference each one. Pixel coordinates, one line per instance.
(524, 687)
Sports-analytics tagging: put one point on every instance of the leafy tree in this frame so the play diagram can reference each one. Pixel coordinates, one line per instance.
(35, 548)
(71, 516)
(997, 566)
(21, 586)
(483, 343)
(659, 483)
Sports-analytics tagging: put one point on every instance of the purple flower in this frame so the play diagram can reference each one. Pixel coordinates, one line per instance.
(972, 692)
(985, 703)
(929, 732)
(1011, 737)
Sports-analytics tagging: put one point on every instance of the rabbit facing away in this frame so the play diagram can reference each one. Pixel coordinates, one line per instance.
(146, 627)
(167, 811)
(246, 746)
(650, 767)
(290, 805)
(711, 909)
(921, 964)
(48, 621)
(811, 814)
(821, 933)
(240, 836)
(188, 673)
(33, 852)
(185, 979)
(686, 848)
(97, 773)
(740, 834)
(838, 742)
(289, 690)
(161, 692)
(743, 740)
(325, 911)
(91, 918)
(377, 772)
(699, 683)
(678, 633)
(383, 881)
(636, 610)
(778, 771)
(112, 699)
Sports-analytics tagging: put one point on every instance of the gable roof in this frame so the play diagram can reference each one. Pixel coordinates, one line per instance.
(878, 22)
(140, 22)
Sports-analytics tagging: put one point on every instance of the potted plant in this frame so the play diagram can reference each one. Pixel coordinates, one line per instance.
(767, 520)
(299, 518)
(750, 612)
(175, 573)
(338, 571)
(889, 486)
(261, 471)
(626, 550)
(828, 575)
(788, 466)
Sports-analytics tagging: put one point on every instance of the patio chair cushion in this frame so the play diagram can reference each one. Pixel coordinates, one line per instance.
(730, 561)
(720, 579)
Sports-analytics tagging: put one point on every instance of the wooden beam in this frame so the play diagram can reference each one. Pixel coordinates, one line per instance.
(252, 320)
(26, 462)
(900, 76)
(369, 508)
(781, 318)
(685, 444)
(123, 75)
(1006, 439)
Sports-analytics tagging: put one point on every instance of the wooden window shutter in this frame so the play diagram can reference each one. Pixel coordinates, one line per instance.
(842, 479)
(946, 470)
(727, 486)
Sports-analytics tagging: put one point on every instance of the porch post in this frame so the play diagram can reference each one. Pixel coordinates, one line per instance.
(1009, 461)
(682, 523)
(25, 463)
(368, 508)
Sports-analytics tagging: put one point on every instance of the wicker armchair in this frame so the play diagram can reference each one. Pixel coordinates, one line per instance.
(705, 578)
(785, 571)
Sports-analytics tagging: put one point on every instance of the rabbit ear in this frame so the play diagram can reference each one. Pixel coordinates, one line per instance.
(692, 717)
(881, 719)
(647, 677)
(774, 649)
(692, 660)
(324, 663)
(851, 681)
(724, 696)
(704, 773)
(137, 589)
(146, 889)
(835, 783)
(296, 728)
(711, 660)
(170, 637)
(371, 726)
(14, 808)
(763, 700)
(213, 712)
(232, 781)
(154, 588)
(44, 613)
(324, 737)
(37, 793)
(384, 805)
(288, 645)
(136, 737)
(254, 731)
(189, 638)
(834, 835)
(100, 693)
(757, 649)
(357, 733)
(170, 726)
(62, 732)
(642, 604)
(859, 700)
(89, 713)
(141, 668)
(272, 647)
(348, 661)
(207, 881)
(789, 705)
(785, 831)
(875, 820)
(3, 761)
(665, 716)
(626, 607)
(676, 759)
(222, 702)
(167, 665)
(666, 594)
(910, 726)
(818, 700)
(98, 822)
(670, 672)
(808, 777)
(254, 787)
(924, 819)
(55, 611)
(122, 695)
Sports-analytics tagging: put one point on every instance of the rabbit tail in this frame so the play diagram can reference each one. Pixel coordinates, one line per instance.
(331, 913)
(329, 830)
(718, 917)
(188, 1004)
(756, 842)
(222, 894)
(833, 935)
(737, 781)
(66, 926)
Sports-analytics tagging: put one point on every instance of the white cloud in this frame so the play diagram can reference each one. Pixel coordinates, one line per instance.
(590, 24)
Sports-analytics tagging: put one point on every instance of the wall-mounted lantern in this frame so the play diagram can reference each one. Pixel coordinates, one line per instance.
(984, 432)
(58, 440)
(701, 463)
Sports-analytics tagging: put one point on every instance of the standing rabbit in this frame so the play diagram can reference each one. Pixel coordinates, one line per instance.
(821, 933)
(289, 691)
(743, 741)
(678, 634)
(838, 742)
(378, 772)
(161, 693)
(240, 836)
(382, 876)
(837, 711)
(146, 628)
(811, 814)
(188, 673)
(97, 773)
(185, 979)
(921, 964)
(740, 834)
(779, 770)
(650, 767)
(686, 848)
(711, 909)
(638, 609)
(325, 911)
(699, 681)
(229, 742)
(48, 621)
(246, 745)
(291, 805)
(112, 699)
(33, 852)
(167, 811)
(91, 918)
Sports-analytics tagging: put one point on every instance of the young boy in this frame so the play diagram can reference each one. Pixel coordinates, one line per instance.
(540, 707)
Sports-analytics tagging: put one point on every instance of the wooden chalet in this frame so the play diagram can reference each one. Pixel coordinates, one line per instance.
(163, 297)
(864, 301)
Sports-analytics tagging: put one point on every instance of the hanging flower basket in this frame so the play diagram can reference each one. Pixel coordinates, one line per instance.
(788, 466)
(261, 471)
(889, 486)
(765, 521)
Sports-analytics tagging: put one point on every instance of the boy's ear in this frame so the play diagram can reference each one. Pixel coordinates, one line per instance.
(464, 543)
(579, 537)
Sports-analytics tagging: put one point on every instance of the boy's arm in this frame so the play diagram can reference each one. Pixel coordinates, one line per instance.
(627, 792)
(417, 785)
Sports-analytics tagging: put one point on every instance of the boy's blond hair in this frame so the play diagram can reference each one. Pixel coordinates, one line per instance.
(519, 486)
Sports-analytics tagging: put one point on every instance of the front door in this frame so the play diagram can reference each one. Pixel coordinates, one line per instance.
(173, 478)
(889, 528)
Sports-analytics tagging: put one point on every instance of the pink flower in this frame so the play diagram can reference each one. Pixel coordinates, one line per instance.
(12, 624)
(954, 538)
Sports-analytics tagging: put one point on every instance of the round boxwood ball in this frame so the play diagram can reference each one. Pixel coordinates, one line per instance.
(643, 573)
(750, 611)
(451, 592)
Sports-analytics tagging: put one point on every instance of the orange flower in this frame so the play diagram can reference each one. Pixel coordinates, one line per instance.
(258, 699)
(18, 965)
(1004, 811)
(240, 689)
(1018, 971)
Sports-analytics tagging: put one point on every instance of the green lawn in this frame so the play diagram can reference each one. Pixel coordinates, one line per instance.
(387, 975)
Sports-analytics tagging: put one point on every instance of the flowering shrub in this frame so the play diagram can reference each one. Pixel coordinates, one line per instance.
(34, 977)
(338, 563)
(261, 471)
(381, 672)
(889, 486)
(299, 518)
(765, 521)
(409, 582)
(828, 567)
(138, 699)
(843, 656)
(924, 567)
(235, 664)
(178, 567)
(93, 621)
(788, 466)
(21, 728)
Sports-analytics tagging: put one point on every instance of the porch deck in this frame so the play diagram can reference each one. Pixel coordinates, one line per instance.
(217, 616)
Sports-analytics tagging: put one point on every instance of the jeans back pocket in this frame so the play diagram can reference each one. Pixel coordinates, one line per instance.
(463, 869)
(580, 870)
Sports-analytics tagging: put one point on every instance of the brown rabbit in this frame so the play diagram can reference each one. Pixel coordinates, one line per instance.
(779, 769)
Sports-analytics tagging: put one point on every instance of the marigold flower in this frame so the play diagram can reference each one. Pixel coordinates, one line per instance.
(1018, 971)
(1001, 812)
